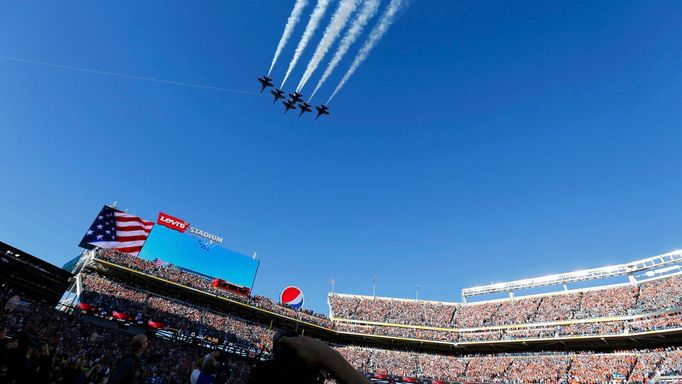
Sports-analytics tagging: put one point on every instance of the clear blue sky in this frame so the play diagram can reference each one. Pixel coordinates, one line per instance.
(481, 141)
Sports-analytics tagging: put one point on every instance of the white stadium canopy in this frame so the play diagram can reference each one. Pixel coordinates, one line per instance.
(631, 268)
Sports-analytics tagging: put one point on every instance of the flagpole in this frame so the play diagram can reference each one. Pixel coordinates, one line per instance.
(374, 286)
(417, 291)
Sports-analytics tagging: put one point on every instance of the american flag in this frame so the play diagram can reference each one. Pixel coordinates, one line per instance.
(117, 230)
(160, 263)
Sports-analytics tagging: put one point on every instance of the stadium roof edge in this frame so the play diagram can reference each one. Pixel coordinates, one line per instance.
(577, 276)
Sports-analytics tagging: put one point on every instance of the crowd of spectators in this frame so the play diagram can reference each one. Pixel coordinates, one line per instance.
(470, 320)
(400, 311)
(108, 296)
(184, 277)
(466, 323)
(39, 344)
(66, 350)
(650, 296)
(671, 364)
(548, 368)
(586, 328)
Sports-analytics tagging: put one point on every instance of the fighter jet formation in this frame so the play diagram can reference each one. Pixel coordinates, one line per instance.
(347, 22)
(294, 101)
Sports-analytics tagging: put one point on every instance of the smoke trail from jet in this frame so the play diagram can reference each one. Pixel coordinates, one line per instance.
(374, 36)
(369, 9)
(331, 33)
(315, 17)
(288, 29)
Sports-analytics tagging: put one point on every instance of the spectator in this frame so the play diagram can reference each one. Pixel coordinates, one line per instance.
(208, 371)
(130, 369)
(196, 367)
(299, 359)
(22, 369)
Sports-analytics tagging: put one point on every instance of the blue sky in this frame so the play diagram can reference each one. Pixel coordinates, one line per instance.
(481, 141)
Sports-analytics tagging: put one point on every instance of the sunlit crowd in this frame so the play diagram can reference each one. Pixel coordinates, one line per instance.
(649, 296)
(180, 276)
(454, 322)
(71, 351)
(618, 367)
(108, 296)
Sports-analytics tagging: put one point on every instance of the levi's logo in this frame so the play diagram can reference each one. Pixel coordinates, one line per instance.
(172, 222)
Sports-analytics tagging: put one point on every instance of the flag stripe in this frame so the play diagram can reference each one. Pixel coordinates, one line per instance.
(120, 229)
(132, 233)
(132, 238)
(126, 217)
(131, 224)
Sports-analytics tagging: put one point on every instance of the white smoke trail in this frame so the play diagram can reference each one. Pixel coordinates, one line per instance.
(369, 9)
(374, 36)
(288, 29)
(331, 33)
(315, 17)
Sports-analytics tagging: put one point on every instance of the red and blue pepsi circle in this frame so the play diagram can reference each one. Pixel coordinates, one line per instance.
(292, 296)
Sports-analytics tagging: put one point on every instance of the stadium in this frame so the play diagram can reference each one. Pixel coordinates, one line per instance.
(627, 331)
(505, 170)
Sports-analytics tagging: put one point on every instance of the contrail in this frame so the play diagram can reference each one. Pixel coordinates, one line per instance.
(288, 29)
(134, 77)
(314, 21)
(374, 36)
(331, 33)
(369, 9)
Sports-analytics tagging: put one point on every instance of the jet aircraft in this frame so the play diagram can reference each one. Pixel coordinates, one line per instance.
(305, 107)
(278, 94)
(321, 110)
(264, 83)
(296, 97)
(290, 104)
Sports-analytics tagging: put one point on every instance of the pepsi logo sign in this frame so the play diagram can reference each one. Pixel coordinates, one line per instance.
(292, 296)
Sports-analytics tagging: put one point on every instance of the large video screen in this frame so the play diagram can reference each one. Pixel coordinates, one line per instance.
(199, 255)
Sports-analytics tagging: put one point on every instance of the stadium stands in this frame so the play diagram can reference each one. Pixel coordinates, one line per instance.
(546, 316)
(622, 366)
(651, 296)
(107, 296)
(651, 305)
(71, 350)
(625, 327)
(619, 310)
(579, 313)
(80, 346)
(186, 278)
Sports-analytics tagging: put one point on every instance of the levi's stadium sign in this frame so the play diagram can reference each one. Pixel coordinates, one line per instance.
(206, 235)
(172, 222)
(181, 226)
